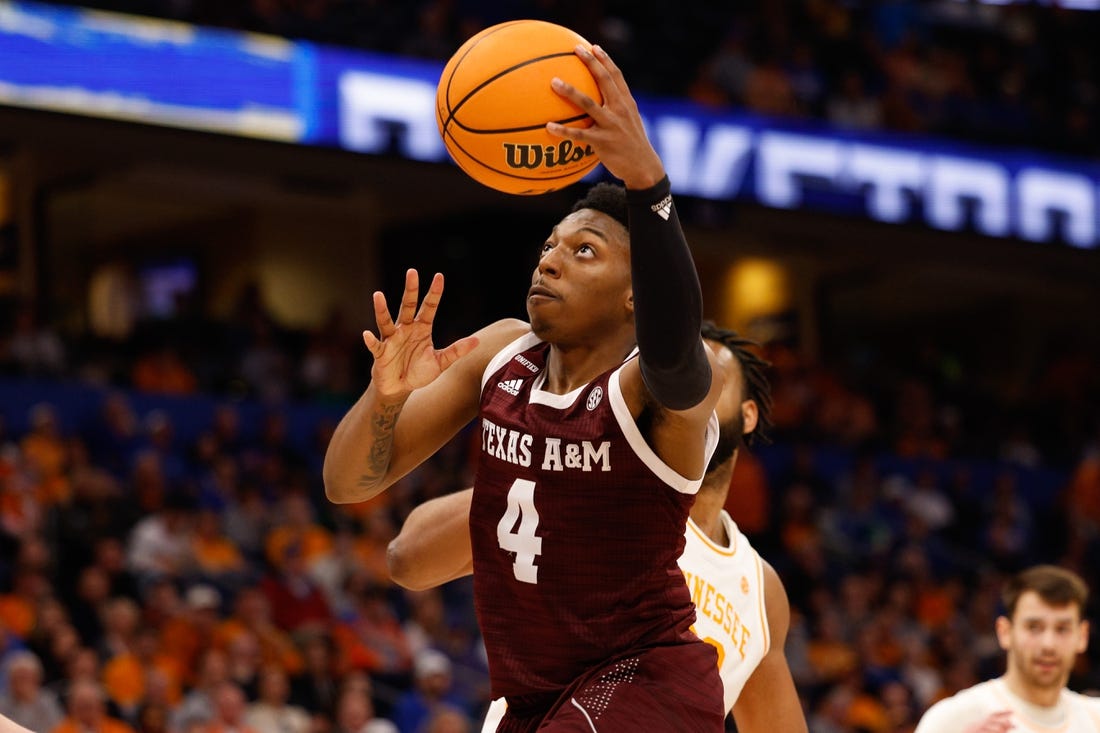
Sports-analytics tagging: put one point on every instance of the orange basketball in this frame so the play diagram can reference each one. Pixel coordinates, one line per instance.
(494, 100)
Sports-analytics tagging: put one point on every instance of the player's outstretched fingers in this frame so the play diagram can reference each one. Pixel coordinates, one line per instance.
(430, 305)
(410, 297)
(374, 346)
(382, 317)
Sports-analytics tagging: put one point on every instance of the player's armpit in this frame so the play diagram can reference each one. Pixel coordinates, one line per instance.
(433, 546)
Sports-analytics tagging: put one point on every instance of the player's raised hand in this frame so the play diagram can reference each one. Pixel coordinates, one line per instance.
(617, 134)
(405, 357)
(997, 722)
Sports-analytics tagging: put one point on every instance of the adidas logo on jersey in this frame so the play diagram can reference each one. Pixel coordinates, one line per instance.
(663, 208)
(511, 386)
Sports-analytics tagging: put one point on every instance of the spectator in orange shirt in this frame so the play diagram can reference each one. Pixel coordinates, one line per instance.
(87, 705)
(126, 675)
(161, 370)
(217, 559)
(18, 608)
(373, 639)
(187, 629)
(47, 455)
(297, 526)
(252, 616)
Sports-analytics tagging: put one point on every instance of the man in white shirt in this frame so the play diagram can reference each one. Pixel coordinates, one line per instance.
(1042, 631)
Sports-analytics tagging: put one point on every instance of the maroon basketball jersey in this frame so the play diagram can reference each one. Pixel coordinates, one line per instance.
(576, 527)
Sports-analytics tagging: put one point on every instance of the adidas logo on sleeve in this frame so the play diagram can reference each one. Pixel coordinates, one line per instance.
(663, 208)
(511, 386)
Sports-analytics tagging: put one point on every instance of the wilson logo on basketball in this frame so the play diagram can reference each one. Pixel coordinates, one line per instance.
(519, 156)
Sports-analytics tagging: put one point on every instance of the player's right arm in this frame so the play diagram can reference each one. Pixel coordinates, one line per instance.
(419, 396)
(769, 701)
(433, 546)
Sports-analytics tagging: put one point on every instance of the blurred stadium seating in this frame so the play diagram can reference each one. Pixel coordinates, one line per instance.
(180, 320)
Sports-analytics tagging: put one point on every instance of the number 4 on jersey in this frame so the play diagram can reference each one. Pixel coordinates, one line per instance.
(521, 540)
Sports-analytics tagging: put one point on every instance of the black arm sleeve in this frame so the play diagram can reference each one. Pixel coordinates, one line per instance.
(668, 301)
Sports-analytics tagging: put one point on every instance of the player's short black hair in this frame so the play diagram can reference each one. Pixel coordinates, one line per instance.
(754, 379)
(606, 198)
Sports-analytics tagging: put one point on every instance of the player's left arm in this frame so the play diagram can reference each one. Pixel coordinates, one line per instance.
(433, 546)
(675, 367)
(769, 701)
(668, 300)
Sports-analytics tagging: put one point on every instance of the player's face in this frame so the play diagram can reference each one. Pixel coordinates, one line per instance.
(581, 286)
(1042, 641)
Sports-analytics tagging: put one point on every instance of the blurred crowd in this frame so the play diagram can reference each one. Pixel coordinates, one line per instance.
(194, 579)
(158, 575)
(1011, 74)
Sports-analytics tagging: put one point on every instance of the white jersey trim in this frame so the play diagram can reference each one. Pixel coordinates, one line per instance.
(521, 344)
(764, 625)
(643, 450)
(618, 405)
(729, 550)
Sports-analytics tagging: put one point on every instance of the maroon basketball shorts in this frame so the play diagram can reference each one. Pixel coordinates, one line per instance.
(665, 689)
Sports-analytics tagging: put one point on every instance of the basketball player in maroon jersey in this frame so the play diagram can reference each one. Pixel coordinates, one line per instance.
(597, 423)
(433, 548)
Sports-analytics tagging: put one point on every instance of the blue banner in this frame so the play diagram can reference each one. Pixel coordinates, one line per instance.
(159, 72)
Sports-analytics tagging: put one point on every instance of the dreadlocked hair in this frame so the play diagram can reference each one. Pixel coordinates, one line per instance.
(755, 382)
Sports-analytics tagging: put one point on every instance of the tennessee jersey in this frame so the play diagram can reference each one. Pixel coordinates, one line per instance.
(727, 586)
(1074, 712)
(576, 527)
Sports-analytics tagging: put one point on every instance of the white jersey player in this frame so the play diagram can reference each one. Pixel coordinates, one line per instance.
(1042, 631)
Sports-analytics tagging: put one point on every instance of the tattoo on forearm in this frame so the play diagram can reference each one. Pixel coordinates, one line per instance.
(379, 457)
